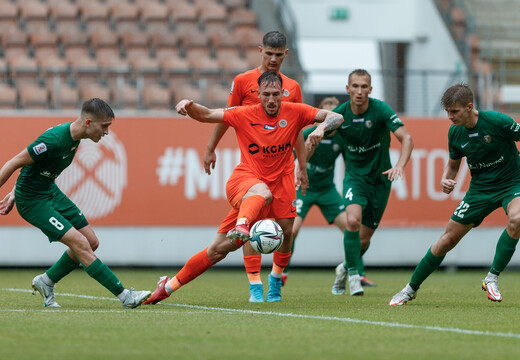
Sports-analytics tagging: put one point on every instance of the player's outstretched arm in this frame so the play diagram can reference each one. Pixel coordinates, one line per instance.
(406, 141)
(17, 162)
(199, 112)
(328, 121)
(210, 158)
(7, 204)
(302, 179)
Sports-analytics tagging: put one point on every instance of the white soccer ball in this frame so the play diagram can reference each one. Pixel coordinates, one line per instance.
(266, 236)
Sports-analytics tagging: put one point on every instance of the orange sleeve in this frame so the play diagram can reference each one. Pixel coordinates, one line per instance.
(235, 95)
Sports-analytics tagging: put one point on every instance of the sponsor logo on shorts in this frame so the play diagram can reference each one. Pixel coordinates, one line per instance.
(40, 148)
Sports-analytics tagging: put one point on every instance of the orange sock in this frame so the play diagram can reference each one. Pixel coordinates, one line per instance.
(280, 261)
(250, 207)
(195, 266)
(253, 265)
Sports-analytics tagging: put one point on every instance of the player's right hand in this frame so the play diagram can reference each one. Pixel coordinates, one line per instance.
(447, 185)
(182, 105)
(7, 204)
(210, 158)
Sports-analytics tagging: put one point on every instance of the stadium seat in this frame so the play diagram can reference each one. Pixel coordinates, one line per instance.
(194, 43)
(253, 57)
(14, 43)
(185, 91)
(232, 65)
(134, 44)
(217, 95)
(205, 68)
(154, 17)
(182, 14)
(104, 42)
(242, 18)
(23, 70)
(43, 43)
(63, 16)
(145, 70)
(249, 39)
(165, 44)
(113, 69)
(125, 96)
(212, 15)
(124, 16)
(52, 69)
(156, 98)
(175, 70)
(33, 15)
(235, 4)
(3, 70)
(84, 70)
(89, 91)
(93, 15)
(63, 96)
(8, 15)
(33, 97)
(8, 96)
(74, 44)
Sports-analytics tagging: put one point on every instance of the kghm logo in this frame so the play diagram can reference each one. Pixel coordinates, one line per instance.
(280, 148)
(254, 148)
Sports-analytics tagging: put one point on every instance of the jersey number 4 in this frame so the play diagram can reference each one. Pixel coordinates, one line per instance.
(349, 194)
(461, 209)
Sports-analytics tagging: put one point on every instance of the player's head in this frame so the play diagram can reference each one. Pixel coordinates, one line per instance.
(458, 103)
(97, 116)
(359, 86)
(270, 92)
(329, 103)
(273, 51)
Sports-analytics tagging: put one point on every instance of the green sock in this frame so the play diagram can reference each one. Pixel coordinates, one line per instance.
(428, 264)
(361, 263)
(505, 249)
(352, 247)
(61, 268)
(103, 275)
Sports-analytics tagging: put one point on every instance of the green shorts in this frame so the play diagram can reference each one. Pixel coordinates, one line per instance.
(54, 214)
(478, 204)
(328, 200)
(372, 198)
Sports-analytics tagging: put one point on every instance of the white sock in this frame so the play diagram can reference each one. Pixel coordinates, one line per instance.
(47, 280)
(276, 275)
(122, 295)
(409, 289)
(168, 288)
(491, 277)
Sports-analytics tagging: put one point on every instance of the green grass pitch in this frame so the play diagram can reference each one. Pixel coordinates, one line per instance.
(211, 319)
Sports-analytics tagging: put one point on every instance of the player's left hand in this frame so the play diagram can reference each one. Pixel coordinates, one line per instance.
(394, 173)
(314, 138)
(7, 204)
(302, 180)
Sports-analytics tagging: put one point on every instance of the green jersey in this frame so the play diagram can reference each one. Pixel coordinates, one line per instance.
(489, 148)
(320, 167)
(52, 152)
(367, 139)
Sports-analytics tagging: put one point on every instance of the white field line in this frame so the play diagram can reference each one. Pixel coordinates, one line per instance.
(270, 313)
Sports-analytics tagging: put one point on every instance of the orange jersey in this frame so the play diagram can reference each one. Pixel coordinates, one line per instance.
(244, 89)
(266, 142)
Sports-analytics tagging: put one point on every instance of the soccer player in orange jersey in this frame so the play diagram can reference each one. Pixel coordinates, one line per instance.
(262, 185)
(244, 91)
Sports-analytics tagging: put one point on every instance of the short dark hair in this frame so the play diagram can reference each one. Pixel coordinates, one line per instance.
(270, 77)
(98, 109)
(274, 39)
(360, 72)
(459, 93)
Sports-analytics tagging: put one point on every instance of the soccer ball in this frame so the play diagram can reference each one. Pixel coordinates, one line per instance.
(266, 236)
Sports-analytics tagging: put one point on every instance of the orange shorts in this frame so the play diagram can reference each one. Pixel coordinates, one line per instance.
(282, 206)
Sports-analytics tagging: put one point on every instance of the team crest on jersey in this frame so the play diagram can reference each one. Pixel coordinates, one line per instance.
(282, 123)
(286, 92)
(335, 147)
(368, 124)
(487, 139)
(40, 148)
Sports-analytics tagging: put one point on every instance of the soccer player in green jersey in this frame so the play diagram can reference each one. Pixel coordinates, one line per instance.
(42, 204)
(487, 140)
(368, 172)
(322, 190)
